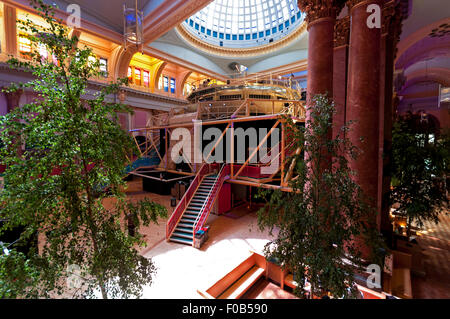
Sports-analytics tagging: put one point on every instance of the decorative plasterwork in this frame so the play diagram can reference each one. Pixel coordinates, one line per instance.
(9, 76)
(353, 3)
(342, 32)
(388, 15)
(240, 52)
(319, 9)
(393, 16)
(441, 31)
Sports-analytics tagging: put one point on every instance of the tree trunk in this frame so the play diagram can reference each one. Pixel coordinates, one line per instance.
(408, 227)
(102, 288)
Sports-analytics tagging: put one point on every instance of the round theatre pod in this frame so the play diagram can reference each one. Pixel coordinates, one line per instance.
(244, 27)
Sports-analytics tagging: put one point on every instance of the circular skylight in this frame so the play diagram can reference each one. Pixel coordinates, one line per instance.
(245, 23)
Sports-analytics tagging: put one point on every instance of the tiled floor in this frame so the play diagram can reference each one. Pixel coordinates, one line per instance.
(435, 240)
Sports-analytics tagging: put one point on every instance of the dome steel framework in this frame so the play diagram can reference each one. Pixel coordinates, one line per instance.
(244, 23)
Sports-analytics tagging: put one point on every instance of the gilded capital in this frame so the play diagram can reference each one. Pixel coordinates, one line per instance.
(317, 9)
(353, 3)
(393, 17)
(342, 32)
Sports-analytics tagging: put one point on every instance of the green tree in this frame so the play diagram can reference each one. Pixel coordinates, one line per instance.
(74, 160)
(322, 222)
(420, 164)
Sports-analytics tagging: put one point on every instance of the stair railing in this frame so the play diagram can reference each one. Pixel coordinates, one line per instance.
(206, 208)
(186, 199)
(184, 202)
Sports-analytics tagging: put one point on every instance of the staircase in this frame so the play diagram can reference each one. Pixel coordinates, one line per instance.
(184, 231)
(147, 156)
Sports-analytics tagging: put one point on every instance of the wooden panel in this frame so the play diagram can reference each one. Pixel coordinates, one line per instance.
(243, 284)
(231, 277)
(275, 273)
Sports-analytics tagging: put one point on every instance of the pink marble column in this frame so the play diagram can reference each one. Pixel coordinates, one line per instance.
(320, 57)
(12, 100)
(391, 29)
(321, 19)
(363, 96)
(340, 68)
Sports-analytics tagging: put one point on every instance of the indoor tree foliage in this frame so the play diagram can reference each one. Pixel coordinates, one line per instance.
(420, 164)
(74, 159)
(318, 221)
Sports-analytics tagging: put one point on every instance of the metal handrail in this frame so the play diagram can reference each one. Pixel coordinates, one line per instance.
(170, 226)
(182, 204)
(200, 218)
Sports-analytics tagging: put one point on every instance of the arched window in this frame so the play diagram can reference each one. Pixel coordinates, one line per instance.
(146, 78)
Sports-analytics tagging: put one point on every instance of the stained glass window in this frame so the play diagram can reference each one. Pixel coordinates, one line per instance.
(137, 76)
(104, 66)
(146, 77)
(130, 75)
(43, 51)
(24, 46)
(172, 85)
(166, 84)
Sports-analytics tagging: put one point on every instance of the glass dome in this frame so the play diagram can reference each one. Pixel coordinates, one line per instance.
(244, 23)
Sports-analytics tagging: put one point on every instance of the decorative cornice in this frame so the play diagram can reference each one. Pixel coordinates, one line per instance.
(319, 9)
(186, 64)
(240, 52)
(93, 84)
(342, 32)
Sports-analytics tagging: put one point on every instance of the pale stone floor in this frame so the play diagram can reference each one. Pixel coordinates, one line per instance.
(182, 269)
(435, 241)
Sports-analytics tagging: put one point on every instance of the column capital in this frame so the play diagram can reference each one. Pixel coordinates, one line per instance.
(319, 9)
(353, 3)
(342, 32)
(393, 17)
(389, 11)
(122, 95)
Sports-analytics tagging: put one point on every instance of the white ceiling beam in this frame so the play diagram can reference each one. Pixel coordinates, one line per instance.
(167, 15)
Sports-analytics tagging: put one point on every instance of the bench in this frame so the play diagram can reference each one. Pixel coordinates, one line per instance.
(238, 281)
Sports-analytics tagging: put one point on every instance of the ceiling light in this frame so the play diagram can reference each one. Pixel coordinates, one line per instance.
(133, 20)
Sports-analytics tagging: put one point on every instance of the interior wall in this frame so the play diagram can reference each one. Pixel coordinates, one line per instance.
(140, 119)
(2, 33)
(3, 104)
